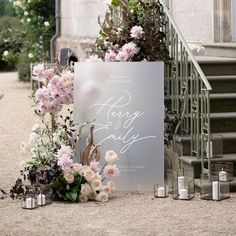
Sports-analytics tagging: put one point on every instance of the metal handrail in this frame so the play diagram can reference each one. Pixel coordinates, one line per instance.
(166, 10)
(188, 89)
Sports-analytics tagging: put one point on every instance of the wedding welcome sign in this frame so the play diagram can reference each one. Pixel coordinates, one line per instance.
(125, 101)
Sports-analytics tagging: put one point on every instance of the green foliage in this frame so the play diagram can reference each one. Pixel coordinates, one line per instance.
(37, 21)
(10, 42)
(6, 8)
(65, 191)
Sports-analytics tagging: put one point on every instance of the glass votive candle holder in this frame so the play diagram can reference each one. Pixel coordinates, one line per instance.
(44, 195)
(161, 190)
(29, 201)
(183, 188)
(212, 188)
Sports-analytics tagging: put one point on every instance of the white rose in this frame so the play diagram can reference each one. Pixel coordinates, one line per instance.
(88, 174)
(96, 184)
(69, 178)
(30, 55)
(76, 167)
(46, 23)
(28, 20)
(26, 13)
(5, 53)
(83, 198)
(111, 157)
(85, 189)
(102, 197)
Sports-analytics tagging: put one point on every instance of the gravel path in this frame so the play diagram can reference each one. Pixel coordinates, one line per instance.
(125, 214)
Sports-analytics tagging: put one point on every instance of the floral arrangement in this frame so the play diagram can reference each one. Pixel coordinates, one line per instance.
(57, 159)
(131, 31)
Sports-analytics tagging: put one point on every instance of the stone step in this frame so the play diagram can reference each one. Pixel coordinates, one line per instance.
(223, 102)
(228, 146)
(223, 122)
(193, 165)
(232, 185)
(213, 66)
(223, 84)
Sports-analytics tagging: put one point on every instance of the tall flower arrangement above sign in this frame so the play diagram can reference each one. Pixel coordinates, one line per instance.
(131, 31)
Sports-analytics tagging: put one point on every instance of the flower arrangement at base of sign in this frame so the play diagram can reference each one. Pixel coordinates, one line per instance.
(74, 174)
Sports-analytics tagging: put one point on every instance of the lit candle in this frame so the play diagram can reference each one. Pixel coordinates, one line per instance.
(180, 183)
(215, 190)
(183, 194)
(222, 175)
(161, 192)
(209, 154)
(30, 202)
(41, 199)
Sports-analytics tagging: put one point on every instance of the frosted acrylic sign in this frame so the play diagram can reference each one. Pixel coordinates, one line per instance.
(127, 101)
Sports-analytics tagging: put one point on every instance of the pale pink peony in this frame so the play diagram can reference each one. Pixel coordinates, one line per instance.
(136, 32)
(110, 56)
(42, 94)
(69, 178)
(38, 70)
(83, 198)
(65, 162)
(111, 171)
(131, 49)
(48, 74)
(102, 197)
(94, 165)
(65, 151)
(85, 189)
(122, 56)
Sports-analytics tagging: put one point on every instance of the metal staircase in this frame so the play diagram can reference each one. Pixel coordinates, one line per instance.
(202, 92)
(187, 94)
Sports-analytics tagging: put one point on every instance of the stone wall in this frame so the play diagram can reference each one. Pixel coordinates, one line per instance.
(79, 26)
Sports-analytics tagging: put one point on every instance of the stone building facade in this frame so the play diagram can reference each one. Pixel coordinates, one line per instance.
(206, 24)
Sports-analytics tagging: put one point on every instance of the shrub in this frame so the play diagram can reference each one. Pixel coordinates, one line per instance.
(10, 42)
(37, 17)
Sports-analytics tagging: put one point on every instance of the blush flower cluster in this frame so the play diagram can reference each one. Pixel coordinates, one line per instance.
(93, 176)
(57, 91)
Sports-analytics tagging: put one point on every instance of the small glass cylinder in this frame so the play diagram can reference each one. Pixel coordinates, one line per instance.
(183, 188)
(44, 195)
(29, 201)
(161, 190)
(225, 170)
(212, 188)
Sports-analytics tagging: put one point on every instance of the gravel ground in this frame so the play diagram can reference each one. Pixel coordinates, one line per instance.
(125, 214)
